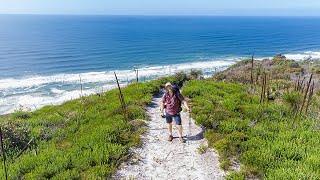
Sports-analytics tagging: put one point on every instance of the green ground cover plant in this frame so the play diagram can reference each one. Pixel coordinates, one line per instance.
(264, 137)
(85, 138)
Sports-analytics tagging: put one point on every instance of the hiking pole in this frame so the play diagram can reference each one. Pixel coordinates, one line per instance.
(189, 134)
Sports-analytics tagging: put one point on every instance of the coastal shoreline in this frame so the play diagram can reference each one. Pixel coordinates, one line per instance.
(222, 69)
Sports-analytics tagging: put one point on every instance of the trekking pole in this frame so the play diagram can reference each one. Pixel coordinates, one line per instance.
(189, 125)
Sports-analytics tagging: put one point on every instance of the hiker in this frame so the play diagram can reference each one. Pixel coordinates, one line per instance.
(173, 100)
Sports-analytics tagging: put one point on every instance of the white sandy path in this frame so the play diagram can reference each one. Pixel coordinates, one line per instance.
(161, 159)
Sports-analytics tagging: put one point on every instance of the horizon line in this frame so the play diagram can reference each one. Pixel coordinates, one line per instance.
(159, 15)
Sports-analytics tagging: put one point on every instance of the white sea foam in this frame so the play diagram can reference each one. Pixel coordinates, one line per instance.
(36, 81)
(312, 55)
(30, 92)
(57, 91)
(96, 77)
(34, 101)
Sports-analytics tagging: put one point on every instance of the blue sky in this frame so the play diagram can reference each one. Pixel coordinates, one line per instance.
(164, 7)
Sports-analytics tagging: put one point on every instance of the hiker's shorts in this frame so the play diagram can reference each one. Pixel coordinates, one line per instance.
(176, 117)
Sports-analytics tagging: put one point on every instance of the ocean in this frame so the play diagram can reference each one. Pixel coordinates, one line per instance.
(42, 57)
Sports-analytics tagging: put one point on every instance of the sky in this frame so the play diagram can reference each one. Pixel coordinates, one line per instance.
(164, 7)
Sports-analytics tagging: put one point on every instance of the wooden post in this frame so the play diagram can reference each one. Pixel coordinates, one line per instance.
(268, 79)
(295, 85)
(310, 96)
(301, 83)
(252, 69)
(305, 95)
(3, 154)
(80, 85)
(257, 78)
(122, 102)
(265, 85)
(261, 94)
(137, 74)
(302, 87)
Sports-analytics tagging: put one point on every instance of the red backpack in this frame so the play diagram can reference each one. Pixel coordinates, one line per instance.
(176, 91)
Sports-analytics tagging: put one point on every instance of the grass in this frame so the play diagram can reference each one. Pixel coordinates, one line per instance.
(261, 136)
(240, 63)
(86, 138)
(202, 148)
(279, 69)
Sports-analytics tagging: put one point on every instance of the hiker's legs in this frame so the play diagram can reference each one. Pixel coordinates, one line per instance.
(177, 119)
(170, 128)
(180, 130)
(169, 122)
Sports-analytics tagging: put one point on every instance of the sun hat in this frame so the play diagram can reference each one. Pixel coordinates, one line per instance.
(168, 84)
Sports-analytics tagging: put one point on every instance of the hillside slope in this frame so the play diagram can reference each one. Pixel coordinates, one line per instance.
(161, 159)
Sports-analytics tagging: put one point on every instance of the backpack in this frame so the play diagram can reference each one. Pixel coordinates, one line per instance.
(176, 91)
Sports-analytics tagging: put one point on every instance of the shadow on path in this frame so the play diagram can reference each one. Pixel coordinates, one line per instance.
(198, 136)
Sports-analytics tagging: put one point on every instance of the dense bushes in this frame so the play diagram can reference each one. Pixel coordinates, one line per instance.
(180, 77)
(261, 136)
(15, 135)
(88, 138)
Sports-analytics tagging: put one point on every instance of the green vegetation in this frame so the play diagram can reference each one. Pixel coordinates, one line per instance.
(202, 148)
(181, 77)
(278, 68)
(264, 136)
(86, 138)
(240, 63)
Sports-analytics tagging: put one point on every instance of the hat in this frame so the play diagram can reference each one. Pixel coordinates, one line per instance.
(168, 84)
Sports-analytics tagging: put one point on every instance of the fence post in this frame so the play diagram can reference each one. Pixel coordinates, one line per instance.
(123, 105)
(305, 95)
(80, 85)
(310, 96)
(252, 69)
(3, 154)
(136, 70)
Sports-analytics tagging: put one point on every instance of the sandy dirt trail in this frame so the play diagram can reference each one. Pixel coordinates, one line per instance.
(161, 159)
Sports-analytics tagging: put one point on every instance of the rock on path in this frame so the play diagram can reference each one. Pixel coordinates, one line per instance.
(161, 159)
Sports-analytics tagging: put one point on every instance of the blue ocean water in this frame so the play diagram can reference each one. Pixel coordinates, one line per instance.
(42, 57)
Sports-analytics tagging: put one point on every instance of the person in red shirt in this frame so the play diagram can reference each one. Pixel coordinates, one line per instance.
(173, 101)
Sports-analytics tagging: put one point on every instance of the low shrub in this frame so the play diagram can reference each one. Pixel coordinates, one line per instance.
(85, 138)
(261, 136)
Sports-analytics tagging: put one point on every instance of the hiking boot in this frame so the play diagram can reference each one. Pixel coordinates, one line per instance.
(181, 139)
(170, 138)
